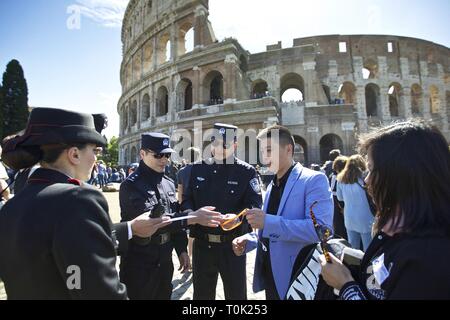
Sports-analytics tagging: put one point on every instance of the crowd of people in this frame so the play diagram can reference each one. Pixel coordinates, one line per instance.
(390, 201)
(103, 174)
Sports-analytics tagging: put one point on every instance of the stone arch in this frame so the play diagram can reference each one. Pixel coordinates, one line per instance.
(133, 113)
(134, 154)
(162, 101)
(163, 50)
(373, 102)
(370, 69)
(137, 66)
(300, 150)
(213, 85)
(184, 95)
(126, 155)
(347, 92)
(260, 89)
(395, 94)
(416, 99)
(435, 100)
(327, 91)
(148, 57)
(292, 81)
(145, 112)
(186, 38)
(329, 142)
(125, 118)
(129, 74)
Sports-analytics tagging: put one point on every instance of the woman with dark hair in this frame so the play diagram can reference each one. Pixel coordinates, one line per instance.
(357, 215)
(409, 180)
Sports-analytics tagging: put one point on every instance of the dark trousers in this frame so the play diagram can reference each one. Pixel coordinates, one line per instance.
(148, 276)
(210, 260)
(338, 221)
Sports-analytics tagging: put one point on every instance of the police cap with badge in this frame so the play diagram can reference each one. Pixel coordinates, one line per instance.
(156, 142)
(225, 133)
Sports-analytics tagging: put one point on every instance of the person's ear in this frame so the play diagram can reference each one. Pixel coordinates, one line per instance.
(142, 154)
(291, 149)
(73, 155)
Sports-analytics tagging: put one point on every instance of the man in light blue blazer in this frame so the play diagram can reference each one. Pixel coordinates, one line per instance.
(284, 225)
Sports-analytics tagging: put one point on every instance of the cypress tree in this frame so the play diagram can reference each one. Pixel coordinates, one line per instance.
(15, 99)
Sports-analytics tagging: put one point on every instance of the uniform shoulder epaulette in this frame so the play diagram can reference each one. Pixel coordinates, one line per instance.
(244, 164)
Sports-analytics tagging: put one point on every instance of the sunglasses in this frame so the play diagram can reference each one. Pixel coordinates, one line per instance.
(233, 223)
(159, 156)
(324, 233)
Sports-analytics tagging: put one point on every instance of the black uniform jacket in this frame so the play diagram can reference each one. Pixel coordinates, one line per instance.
(56, 242)
(230, 188)
(141, 192)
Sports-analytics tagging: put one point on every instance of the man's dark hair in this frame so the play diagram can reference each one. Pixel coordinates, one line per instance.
(334, 154)
(284, 135)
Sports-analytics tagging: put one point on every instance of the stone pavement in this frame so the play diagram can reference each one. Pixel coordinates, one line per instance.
(182, 284)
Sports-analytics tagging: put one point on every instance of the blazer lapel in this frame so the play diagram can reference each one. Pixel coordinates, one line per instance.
(294, 176)
(267, 197)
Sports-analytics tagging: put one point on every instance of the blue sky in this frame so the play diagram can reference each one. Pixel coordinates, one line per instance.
(78, 68)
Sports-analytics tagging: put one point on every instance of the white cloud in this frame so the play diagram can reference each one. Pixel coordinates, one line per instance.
(108, 13)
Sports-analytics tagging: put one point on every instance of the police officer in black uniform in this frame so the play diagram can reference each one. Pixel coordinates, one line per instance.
(230, 185)
(56, 238)
(147, 267)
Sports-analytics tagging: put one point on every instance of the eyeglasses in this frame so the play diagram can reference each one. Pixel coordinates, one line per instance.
(236, 222)
(324, 233)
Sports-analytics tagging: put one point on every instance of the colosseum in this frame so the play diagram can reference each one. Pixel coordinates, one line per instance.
(346, 83)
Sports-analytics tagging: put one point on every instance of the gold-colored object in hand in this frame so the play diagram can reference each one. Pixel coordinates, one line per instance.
(234, 222)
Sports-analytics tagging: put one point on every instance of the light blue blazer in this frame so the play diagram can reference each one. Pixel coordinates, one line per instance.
(292, 228)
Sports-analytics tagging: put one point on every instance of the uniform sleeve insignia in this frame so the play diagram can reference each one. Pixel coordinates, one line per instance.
(254, 183)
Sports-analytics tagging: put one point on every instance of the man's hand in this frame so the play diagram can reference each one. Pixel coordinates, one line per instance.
(256, 218)
(335, 274)
(145, 227)
(206, 217)
(185, 262)
(239, 245)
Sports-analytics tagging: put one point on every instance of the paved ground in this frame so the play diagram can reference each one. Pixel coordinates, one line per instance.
(182, 284)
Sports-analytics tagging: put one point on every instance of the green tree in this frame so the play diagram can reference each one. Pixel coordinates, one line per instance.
(111, 152)
(15, 99)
